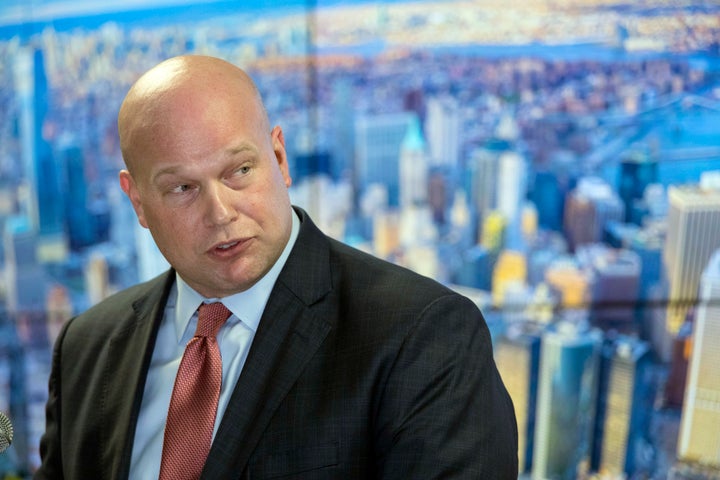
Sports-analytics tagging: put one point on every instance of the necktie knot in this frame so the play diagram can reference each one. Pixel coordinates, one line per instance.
(211, 317)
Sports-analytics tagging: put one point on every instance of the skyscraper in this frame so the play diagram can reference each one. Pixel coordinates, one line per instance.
(588, 209)
(511, 268)
(492, 235)
(512, 191)
(572, 283)
(481, 177)
(42, 173)
(442, 124)
(637, 172)
(546, 195)
(378, 139)
(699, 439)
(625, 399)
(497, 183)
(343, 139)
(566, 400)
(26, 282)
(24, 87)
(615, 283)
(413, 167)
(475, 269)
(693, 235)
(80, 225)
(517, 354)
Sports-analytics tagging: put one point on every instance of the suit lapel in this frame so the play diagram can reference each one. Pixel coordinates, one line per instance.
(130, 351)
(288, 336)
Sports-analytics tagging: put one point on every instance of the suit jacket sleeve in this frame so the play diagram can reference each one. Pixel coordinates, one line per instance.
(445, 412)
(50, 445)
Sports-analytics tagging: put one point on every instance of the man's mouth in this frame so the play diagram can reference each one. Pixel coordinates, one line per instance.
(226, 246)
(232, 248)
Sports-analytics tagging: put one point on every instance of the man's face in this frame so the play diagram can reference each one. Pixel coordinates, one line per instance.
(210, 183)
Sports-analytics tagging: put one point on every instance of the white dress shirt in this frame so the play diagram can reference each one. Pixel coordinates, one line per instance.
(176, 329)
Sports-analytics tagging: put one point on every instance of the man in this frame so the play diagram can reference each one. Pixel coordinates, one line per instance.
(335, 364)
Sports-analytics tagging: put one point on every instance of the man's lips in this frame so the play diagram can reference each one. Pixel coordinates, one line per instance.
(228, 248)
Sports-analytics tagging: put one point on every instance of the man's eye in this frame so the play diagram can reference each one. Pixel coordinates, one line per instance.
(181, 188)
(243, 170)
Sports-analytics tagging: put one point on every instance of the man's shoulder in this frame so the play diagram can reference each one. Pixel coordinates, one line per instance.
(84, 339)
(125, 303)
(361, 269)
(381, 303)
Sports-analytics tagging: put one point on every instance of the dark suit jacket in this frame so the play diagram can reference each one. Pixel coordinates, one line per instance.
(359, 369)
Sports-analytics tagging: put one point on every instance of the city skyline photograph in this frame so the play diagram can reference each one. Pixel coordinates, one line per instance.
(556, 161)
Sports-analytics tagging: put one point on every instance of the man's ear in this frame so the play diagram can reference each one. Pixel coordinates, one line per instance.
(127, 183)
(278, 143)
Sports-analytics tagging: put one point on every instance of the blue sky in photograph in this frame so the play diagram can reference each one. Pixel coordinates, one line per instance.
(19, 11)
(14, 12)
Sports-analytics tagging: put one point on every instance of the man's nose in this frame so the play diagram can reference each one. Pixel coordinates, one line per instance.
(220, 209)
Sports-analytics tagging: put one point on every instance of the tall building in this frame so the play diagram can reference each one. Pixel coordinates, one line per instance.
(24, 87)
(693, 235)
(552, 182)
(511, 268)
(625, 400)
(512, 191)
(565, 411)
(511, 185)
(310, 163)
(569, 281)
(637, 172)
(496, 182)
(439, 195)
(588, 210)
(476, 268)
(343, 136)
(678, 357)
(481, 175)
(25, 280)
(378, 140)
(45, 207)
(545, 193)
(87, 218)
(699, 439)
(615, 284)
(528, 223)
(517, 355)
(413, 167)
(462, 225)
(492, 235)
(442, 127)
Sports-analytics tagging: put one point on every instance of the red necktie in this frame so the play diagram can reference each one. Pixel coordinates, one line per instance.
(193, 405)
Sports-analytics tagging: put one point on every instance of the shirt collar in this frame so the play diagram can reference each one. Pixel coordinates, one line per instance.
(246, 306)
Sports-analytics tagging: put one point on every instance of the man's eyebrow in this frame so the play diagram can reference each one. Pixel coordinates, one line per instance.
(171, 170)
(241, 148)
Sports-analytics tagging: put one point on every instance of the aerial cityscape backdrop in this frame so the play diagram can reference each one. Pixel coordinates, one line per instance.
(556, 161)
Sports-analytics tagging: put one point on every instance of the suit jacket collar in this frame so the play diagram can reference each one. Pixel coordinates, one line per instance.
(307, 272)
(120, 405)
(289, 334)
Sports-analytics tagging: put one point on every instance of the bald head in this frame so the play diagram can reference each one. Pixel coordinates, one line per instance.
(157, 106)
